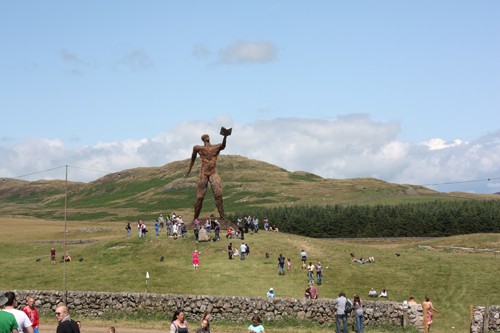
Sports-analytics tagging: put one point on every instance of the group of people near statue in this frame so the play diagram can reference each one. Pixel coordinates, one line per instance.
(174, 225)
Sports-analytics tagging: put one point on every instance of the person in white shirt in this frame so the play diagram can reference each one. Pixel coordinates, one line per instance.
(23, 322)
(341, 317)
(383, 293)
(243, 251)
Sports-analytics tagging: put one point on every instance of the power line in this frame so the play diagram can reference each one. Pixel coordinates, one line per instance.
(88, 169)
(38, 172)
(463, 181)
(56, 168)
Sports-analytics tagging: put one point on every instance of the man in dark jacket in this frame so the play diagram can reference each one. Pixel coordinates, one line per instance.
(66, 324)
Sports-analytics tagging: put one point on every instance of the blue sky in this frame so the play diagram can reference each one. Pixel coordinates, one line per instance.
(404, 91)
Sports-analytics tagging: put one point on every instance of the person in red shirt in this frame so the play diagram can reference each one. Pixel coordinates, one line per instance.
(53, 256)
(32, 314)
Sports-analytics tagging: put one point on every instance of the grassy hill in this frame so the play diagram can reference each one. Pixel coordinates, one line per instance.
(143, 192)
(455, 271)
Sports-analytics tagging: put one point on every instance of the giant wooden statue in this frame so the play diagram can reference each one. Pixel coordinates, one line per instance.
(208, 171)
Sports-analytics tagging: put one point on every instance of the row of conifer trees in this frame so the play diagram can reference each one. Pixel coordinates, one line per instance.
(432, 219)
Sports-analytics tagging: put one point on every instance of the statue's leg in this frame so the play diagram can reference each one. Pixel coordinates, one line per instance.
(200, 194)
(216, 184)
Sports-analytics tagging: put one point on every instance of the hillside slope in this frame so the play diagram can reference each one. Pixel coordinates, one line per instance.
(144, 192)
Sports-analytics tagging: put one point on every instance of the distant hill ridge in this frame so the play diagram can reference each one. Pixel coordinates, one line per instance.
(247, 184)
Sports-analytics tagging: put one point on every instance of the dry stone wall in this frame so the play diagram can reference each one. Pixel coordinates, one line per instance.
(485, 319)
(236, 309)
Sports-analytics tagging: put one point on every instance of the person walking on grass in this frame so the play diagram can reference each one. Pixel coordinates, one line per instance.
(53, 256)
(230, 251)
(303, 258)
(128, 228)
(196, 259)
(281, 265)
(243, 251)
(310, 272)
(319, 273)
(427, 304)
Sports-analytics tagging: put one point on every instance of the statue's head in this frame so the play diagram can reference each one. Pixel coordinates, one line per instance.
(205, 138)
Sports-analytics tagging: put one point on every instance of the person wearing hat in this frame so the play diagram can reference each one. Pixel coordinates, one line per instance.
(8, 323)
(23, 322)
(270, 294)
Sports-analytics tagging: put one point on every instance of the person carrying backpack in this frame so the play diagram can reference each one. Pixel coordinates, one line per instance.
(344, 308)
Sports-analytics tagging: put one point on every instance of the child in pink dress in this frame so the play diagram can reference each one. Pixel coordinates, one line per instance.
(196, 259)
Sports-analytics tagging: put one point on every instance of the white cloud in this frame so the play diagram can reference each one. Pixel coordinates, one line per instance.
(247, 52)
(345, 147)
(437, 143)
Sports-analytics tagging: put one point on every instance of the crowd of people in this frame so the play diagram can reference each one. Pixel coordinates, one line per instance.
(175, 227)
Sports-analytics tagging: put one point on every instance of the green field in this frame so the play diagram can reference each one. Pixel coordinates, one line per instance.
(455, 272)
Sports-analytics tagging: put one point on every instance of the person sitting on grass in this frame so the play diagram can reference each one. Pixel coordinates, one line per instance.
(383, 294)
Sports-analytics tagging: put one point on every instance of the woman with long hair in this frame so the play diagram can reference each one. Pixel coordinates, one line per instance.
(359, 314)
(179, 323)
(427, 304)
